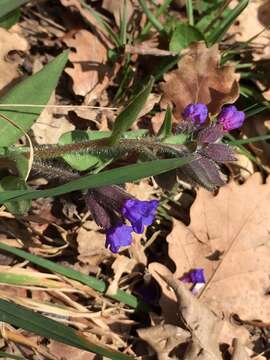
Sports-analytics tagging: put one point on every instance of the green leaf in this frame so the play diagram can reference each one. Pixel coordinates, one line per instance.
(15, 183)
(83, 161)
(21, 317)
(10, 19)
(10, 356)
(183, 36)
(35, 90)
(6, 6)
(129, 115)
(109, 177)
(94, 283)
(219, 31)
(166, 127)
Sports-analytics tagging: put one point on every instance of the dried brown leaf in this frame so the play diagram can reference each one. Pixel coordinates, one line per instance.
(239, 352)
(259, 126)
(8, 69)
(89, 72)
(229, 237)
(202, 323)
(251, 22)
(200, 78)
(164, 338)
(121, 264)
(91, 246)
(48, 128)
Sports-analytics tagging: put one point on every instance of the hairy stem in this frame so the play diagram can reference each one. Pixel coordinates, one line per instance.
(100, 147)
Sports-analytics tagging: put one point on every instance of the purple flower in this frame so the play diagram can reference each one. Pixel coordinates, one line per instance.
(231, 118)
(194, 276)
(197, 113)
(117, 236)
(139, 213)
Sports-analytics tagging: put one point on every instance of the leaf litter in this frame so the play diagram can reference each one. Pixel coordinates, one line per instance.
(228, 233)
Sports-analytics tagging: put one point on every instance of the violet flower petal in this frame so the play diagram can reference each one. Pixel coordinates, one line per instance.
(117, 236)
(194, 276)
(196, 113)
(140, 213)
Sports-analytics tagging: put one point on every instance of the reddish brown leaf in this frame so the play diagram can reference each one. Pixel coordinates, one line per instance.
(200, 79)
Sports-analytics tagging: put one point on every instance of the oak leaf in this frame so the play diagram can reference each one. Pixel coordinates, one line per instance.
(200, 79)
(9, 42)
(89, 72)
(228, 236)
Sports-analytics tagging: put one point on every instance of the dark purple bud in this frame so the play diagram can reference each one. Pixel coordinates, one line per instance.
(140, 213)
(218, 152)
(202, 172)
(194, 276)
(166, 180)
(100, 214)
(231, 118)
(211, 134)
(111, 196)
(196, 113)
(118, 236)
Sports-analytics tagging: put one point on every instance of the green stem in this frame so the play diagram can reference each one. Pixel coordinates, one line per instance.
(153, 20)
(190, 14)
(100, 147)
(160, 10)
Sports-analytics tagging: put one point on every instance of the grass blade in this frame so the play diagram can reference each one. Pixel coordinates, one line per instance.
(217, 34)
(109, 177)
(151, 17)
(190, 15)
(6, 6)
(129, 115)
(19, 316)
(92, 282)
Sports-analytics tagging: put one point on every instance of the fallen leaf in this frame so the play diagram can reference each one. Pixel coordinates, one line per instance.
(91, 246)
(77, 4)
(164, 338)
(200, 79)
(259, 126)
(202, 323)
(50, 126)
(239, 352)
(9, 42)
(121, 264)
(251, 22)
(89, 72)
(66, 352)
(228, 236)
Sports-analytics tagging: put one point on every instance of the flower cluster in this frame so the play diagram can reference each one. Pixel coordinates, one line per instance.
(111, 207)
(229, 117)
(205, 136)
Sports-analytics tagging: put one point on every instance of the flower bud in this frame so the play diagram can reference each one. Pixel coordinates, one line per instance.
(196, 113)
(231, 118)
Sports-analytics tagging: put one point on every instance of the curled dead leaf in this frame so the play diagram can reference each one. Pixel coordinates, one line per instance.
(202, 323)
(164, 338)
(200, 79)
(228, 237)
